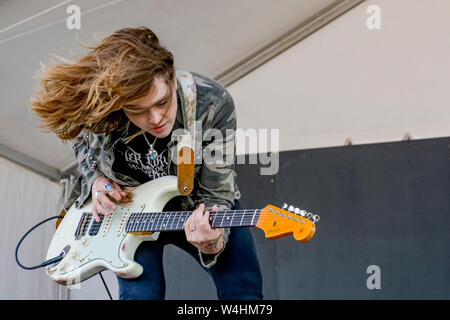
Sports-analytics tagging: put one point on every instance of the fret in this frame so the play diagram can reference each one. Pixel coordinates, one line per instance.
(243, 215)
(138, 222)
(166, 220)
(151, 221)
(174, 217)
(147, 219)
(181, 219)
(161, 218)
(178, 222)
(178, 227)
(251, 223)
(141, 221)
(227, 213)
(134, 221)
(149, 224)
(157, 220)
(214, 220)
(223, 217)
(133, 218)
(144, 221)
(130, 221)
(232, 217)
(132, 226)
(186, 215)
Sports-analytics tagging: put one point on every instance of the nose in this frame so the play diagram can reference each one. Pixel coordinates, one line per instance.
(154, 118)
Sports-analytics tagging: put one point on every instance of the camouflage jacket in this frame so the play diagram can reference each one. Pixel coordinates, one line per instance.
(214, 183)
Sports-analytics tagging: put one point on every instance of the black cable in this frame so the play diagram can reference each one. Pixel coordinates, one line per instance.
(106, 287)
(45, 263)
(52, 260)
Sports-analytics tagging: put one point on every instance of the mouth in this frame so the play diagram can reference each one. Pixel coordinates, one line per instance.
(160, 128)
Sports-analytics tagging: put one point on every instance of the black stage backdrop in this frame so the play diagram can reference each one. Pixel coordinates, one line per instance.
(385, 205)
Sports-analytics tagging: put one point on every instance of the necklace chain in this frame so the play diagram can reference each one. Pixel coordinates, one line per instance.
(152, 152)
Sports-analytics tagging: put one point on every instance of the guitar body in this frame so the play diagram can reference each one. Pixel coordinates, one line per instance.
(89, 249)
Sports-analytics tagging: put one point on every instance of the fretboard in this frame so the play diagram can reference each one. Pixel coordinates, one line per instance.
(171, 221)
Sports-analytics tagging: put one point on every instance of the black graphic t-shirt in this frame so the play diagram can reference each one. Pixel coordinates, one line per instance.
(137, 159)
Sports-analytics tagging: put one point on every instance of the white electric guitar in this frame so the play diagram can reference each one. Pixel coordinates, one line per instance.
(88, 247)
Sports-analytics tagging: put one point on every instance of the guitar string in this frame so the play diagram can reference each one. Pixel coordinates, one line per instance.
(246, 217)
(170, 217)
(248, 212)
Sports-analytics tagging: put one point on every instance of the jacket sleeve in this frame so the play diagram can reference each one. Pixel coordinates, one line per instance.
(216, 183)
(88, 158)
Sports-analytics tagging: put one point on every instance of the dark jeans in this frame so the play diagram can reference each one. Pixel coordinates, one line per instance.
(236, 274)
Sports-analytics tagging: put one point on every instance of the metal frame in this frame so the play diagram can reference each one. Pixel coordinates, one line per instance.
(35, 165)
(285, 41)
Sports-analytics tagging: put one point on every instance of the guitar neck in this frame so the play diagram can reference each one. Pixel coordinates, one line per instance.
(172, 221)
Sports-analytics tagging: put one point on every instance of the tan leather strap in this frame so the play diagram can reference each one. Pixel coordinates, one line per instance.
(186, 143)
(186, 170)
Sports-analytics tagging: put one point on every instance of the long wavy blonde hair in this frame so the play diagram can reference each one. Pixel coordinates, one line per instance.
(90, 92)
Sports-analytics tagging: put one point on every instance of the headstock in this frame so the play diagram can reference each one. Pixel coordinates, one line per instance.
(280, 222)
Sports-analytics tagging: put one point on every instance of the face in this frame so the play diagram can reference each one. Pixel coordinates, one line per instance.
(156, 113)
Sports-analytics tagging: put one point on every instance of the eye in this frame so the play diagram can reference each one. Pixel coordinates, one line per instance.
(134, 111)
(162, 103)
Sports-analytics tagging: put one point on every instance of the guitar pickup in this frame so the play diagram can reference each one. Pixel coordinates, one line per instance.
(83, 225)
(96, 226)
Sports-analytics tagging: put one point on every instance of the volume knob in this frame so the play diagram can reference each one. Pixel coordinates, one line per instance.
(76, 255)
(85, 241)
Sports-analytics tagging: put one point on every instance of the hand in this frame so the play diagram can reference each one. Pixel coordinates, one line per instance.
(200, 234)
(104, 204)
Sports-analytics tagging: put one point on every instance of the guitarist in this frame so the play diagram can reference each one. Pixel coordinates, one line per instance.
(119, 105)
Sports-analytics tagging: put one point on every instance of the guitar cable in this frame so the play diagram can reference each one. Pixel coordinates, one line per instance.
(45, 263)
(52, 260)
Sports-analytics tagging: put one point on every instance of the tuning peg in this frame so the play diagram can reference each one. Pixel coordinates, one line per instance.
(291, 208)
(300, 212)
(285, 205)
(316, 218)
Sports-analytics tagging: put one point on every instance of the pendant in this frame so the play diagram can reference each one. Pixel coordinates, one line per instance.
(153, 154)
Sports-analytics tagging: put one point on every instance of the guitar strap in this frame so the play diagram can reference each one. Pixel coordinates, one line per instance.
(186, 142)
